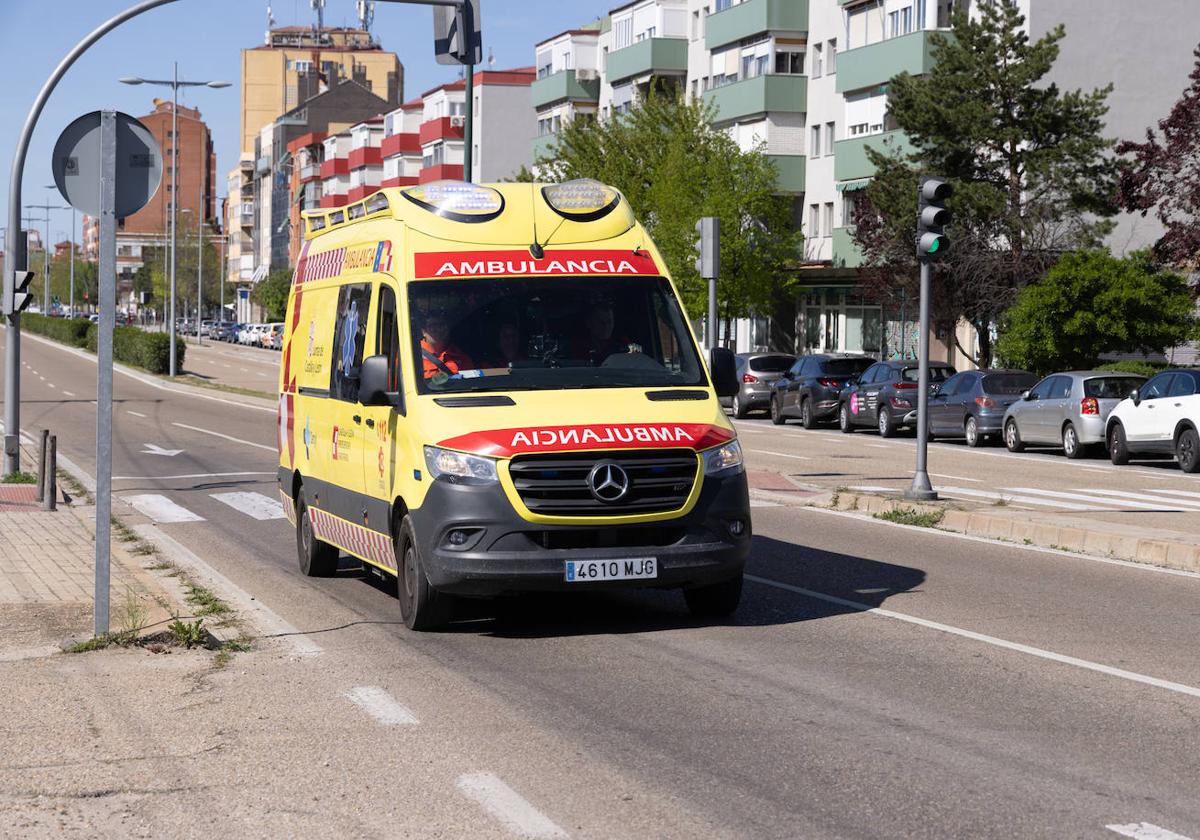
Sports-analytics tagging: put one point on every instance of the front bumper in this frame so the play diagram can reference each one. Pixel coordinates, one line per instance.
(506, 553)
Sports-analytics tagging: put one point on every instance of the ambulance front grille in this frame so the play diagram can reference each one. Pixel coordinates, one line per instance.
(659, 480)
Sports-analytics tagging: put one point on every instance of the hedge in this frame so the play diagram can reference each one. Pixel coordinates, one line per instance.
(131, 346)
(72, 331)
(1146, 369)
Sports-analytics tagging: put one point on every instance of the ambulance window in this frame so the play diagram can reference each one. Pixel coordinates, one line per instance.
(387, 335)
(354, 303)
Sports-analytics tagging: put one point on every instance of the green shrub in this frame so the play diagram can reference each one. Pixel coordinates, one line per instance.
(149, 351)
(1146, 369)
(72, 331)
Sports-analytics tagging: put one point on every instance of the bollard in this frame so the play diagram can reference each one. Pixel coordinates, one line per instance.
(51, 500)
(41, 476)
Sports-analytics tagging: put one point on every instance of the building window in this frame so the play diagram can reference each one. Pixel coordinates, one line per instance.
(831, 56)
(622, 32)
(849, 207)
(695, 26)
(858, 129)
(829, 130)
(789, 62)
(722, 5)
(827, 222)
(816, 62)
(695, 87)
(815, 150)
(814, 221)
(545, 64)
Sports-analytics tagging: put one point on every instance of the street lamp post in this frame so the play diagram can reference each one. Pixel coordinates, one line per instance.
(174, 83)
(46, 250)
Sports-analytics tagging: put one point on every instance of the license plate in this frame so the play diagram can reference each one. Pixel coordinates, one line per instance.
(580, 571)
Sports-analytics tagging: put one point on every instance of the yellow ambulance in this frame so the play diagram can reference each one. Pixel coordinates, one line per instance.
(491, 389)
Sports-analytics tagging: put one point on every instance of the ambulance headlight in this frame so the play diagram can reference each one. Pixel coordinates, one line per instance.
(582, 200)
(458, 467)
(724, 460)
(459, 201)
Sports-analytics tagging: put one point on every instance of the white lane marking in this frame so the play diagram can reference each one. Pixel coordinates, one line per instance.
(161, 509)
(1029, 650)
(763, 503)
(183, 475)
(1145, 831)
(135, 413)
(155, 449)
(42, 378)
(51, 385)
(1087, 497)
(266, 620)
(1146, 496)
(779, 454)
(380, 705)
(34, 372)
(1019, 497)
(957, 477)
(874, 488)
(1186, 493)
(877, 446)
(508, 806)
(226, 437)
(254, 505)
(742, 430)
(68, 393)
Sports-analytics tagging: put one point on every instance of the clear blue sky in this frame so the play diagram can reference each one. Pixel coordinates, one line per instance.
(205, 37)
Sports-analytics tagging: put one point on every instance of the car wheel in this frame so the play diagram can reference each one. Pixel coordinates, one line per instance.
(317, 559)
(716, 600)
(844, 419)
(886, 427)
(1187, 450)
(776, 412)
(1071, 446)
(739, 410)
(971, 430)
(421, 606)
(1012, 437)
(1118, 450)
(806, 415)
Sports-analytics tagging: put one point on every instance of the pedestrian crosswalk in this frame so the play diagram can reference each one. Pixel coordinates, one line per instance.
(1086, 498)
(165, 511)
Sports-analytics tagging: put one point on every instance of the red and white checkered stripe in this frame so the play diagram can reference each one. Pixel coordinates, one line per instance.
(359, 541)
(326, 264)
(289, 507)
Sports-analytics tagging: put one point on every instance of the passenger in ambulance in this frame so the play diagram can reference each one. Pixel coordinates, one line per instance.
(438, 354)
(597, 342)
(508, 347)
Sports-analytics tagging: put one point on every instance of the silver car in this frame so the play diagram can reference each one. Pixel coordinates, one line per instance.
(756, 372)
(1067, 409)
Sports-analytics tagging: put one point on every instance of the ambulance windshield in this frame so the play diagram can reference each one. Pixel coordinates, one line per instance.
(538, 333)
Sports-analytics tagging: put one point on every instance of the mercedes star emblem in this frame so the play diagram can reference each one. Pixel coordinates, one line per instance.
(608, 482)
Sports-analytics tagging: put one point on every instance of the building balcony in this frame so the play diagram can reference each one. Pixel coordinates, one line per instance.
(399, 181)
(846, 253)
(791, 172)
(366, 156)
(262, 166)
(753, 17)
(246, 218)
(441, 172)
(759, 95)
(443, 128)
(310, 172)
(313, 138)
(652, 56)
(359, 193)
(542, 146)
(335, 166)
(875, 64)
(564, 84)
(333, 201)
(850, 159)
(401, 144)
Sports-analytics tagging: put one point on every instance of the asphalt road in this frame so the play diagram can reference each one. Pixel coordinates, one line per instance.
(877, 680)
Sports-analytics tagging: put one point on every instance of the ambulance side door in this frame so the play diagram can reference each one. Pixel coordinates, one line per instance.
(382, 452)
(348, 437)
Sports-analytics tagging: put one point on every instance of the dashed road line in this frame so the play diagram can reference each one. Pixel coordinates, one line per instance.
(254, 505)
(134, 413)
(1145, 831)
(380, 705)
(957, 477)
(225, 437)
(508, 806)
(68, 394)
(779, 454)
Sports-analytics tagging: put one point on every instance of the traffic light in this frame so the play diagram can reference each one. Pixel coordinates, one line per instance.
(708, 246)
(21, 297)
(932, 217)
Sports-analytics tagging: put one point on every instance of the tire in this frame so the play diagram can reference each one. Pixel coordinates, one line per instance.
(421, 606)
(844, 419)
(806, 415)
(971, 430)
(316, 558)
(1012, 437)
(1187, 450)
(776, 412)
(717, 600)
(1072, 448)
(1118, 449)
(887, 428)
(739, 410)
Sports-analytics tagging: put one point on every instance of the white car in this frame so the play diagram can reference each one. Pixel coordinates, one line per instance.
(1163, 416)
(250, 334)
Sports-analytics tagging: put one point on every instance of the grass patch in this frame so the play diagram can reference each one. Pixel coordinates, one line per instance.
(77, 490)
(205, 601)
(188, 634)
(191, 379)
(19, 477)
(911, 516)
(142, 549)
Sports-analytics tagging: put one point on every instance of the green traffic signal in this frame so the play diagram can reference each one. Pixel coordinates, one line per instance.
(935, 245)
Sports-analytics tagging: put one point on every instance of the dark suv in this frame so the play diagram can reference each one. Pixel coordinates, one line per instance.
(885, 396)
(756, 372)
(812, 387)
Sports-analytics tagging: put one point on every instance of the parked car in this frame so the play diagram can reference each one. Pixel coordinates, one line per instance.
(1067, 409)
(251, 334)
(271, 337)
(885, 396)
(972, 404)
(812, 387)
(220, 331)
(756, 372)
(1162, 416)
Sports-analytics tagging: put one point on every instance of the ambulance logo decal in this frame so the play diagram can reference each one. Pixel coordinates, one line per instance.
(349, 332)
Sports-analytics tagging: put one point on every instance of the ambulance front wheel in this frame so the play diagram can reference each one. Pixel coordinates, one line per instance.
(317, 559)
(421, 606)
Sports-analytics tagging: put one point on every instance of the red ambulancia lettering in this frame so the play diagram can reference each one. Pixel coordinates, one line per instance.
(521, 263)
(504, 443)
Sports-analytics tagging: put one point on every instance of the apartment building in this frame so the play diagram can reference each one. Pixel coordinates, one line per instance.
(806, 81)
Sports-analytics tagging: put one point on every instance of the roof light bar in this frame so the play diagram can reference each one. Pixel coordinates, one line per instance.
(458, 201)
(581, 200)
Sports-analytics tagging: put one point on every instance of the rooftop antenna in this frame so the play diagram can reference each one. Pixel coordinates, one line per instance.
(318, 6)
(491, 58)
(366, 14)
(270, 25)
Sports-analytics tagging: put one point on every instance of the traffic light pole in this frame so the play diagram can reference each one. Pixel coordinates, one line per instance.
(921, 489)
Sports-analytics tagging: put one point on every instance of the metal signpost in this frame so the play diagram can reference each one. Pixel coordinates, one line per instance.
(107, 165)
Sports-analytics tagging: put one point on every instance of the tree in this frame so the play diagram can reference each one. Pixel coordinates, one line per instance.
(271, 293)
(673, 167)
(1164, 176)
(1091, 304)
(1027, 161)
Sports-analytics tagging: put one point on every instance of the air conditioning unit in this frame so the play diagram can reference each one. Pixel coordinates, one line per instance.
(458, 121)
(584, 74)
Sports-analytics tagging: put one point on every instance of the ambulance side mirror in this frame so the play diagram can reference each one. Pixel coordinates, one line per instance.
(723, 368)
(373, 382)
